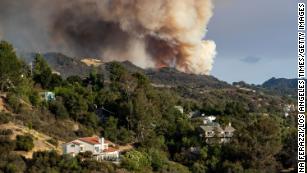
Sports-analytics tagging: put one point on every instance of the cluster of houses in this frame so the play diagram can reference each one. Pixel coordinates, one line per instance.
(100, 148)
(212, 131)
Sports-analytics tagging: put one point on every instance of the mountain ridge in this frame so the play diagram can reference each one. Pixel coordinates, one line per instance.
(162, 77)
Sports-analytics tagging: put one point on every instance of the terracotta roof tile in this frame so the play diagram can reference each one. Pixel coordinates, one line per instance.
(110, 149)
(90, 140)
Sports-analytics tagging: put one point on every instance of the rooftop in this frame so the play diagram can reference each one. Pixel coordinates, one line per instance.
(110, 149)
(90, 140)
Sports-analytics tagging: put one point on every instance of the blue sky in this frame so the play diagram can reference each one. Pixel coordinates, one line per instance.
(256, 39)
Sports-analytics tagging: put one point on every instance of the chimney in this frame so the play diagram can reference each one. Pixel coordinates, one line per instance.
(101, 140)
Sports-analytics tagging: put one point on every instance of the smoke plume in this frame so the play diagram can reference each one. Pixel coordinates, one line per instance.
(149, 33)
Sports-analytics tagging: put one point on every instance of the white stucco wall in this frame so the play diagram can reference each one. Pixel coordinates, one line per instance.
(71, 148)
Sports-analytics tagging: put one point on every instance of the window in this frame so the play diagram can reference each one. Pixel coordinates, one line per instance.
(97, 149)
(81, 148)
(72, 145)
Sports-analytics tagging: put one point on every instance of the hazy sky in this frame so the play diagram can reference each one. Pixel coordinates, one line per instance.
(256, 39)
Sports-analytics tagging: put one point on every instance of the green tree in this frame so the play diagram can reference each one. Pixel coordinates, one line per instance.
(198, 168)
(89, 119)
(136, 160)
(6, 144)
(111, 128)
(14, 102)
(117, 71)
(256, 145)
(42, 73)
(74, 102)
(158, 159)
(95, 80)
(57, 108)
(35, 98)
(173, 167)
(10, 67)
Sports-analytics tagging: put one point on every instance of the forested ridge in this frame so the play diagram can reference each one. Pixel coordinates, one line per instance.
(144, 115)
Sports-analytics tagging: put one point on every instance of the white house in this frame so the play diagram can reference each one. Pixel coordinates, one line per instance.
(100, 148)
(208, 119)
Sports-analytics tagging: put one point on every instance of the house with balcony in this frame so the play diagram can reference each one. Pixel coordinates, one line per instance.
(100, 148)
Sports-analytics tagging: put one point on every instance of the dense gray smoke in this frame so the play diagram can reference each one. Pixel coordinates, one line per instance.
(149, 33)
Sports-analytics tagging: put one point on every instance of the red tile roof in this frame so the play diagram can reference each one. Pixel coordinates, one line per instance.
(110, 149)
(90, 140)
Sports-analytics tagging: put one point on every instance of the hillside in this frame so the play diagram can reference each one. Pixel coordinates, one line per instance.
(160, 112)
(172, 77)
(41, 141)
(281, 86)
(66, 66)
(164, 77)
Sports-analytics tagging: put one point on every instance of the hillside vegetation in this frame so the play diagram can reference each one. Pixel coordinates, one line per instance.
(141, 112)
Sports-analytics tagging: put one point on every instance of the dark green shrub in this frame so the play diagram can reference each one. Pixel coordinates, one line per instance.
(14, 103)
(6, 144)
(4, 118)
(34, 98)
(24, 143)
(53, 142)
(6, 132)
(58, 109)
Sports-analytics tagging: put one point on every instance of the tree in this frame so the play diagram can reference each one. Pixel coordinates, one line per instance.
(57, 108)
(35, 98)
(111, 129)
(158, 159)
(6, 144)
(256, 145)
(89, 119)
(198, 168)
(142, 121)
(42, 73)
(117, 71)
(15, 164)
(173, 167)
(142, 80)
(14, 103)
(136, 160)
(55, 81)
(10, 67)
(74, 79)
(74, 102)
(95, 80)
